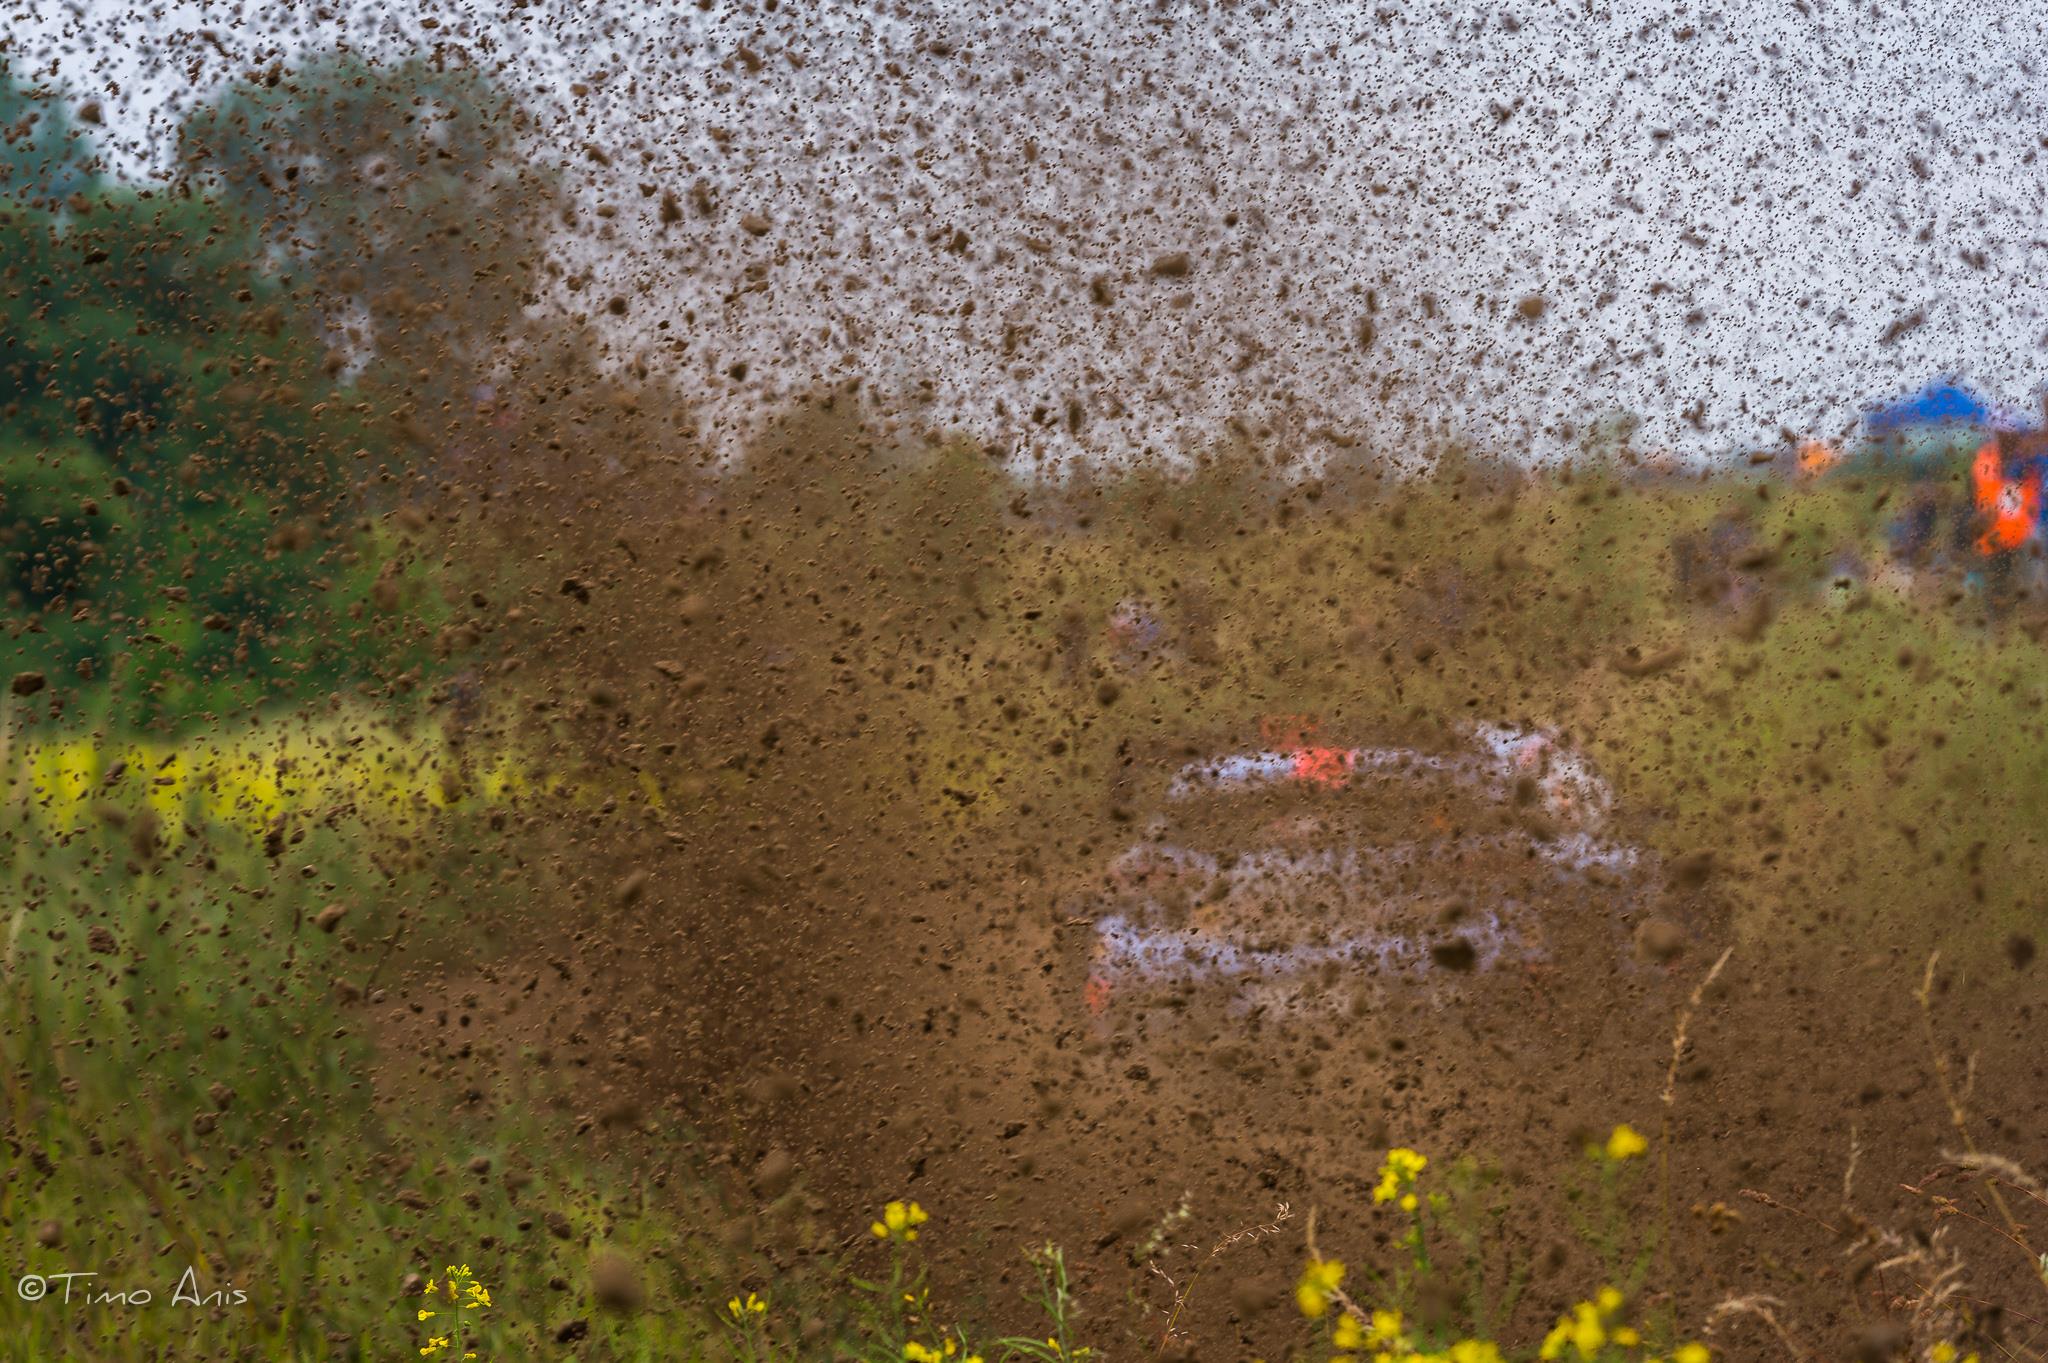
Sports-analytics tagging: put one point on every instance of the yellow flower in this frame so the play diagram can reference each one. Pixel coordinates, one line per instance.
(1475, 1351)
(1690, 1353)
(1627, 1336)
(435, 1344)
(430, 1287)
(753, 1305)
(1398, 1174)
(918, 1353)
(1318, 1281)
(1384, 1338)
(1625, 1143)
(1585, 1327)
(899, 1222)
(426, 1315)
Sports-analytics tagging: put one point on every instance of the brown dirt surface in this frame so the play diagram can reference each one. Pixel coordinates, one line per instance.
(926, 1041)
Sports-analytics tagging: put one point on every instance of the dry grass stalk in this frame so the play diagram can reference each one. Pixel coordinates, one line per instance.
(1258, 1230)
(1679, 1035)
(1958, 1117)
(1764, 1309)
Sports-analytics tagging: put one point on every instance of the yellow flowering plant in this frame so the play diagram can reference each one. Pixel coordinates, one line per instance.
(746, 1316)
(897, 1317)
(898, 1308)
(449, 1301)
(1454, 1215)
(1398, 1175)
(1056, 1299)
(1452, 1245)
(1318, 1286)
(1598, 1328)
(1385, 1338)
(1600, 1199)
(899, 1222)
(1624, 1143)
(1383, 1334)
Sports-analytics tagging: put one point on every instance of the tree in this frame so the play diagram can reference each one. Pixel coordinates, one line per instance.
(403, 194)
(172, 462)
(45, 158)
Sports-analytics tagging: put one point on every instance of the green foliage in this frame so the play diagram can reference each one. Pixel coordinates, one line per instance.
(174, 464)
(183, 1086)
(1471, 1218)
(1602, 1196)
(182, 462)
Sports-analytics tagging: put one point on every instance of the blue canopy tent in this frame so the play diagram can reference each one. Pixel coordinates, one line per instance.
(1934, 425)
(1940, 403)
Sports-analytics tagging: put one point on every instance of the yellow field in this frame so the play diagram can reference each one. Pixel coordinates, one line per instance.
(349, 767)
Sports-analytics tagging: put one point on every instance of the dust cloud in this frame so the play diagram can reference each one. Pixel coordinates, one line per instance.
(927, 682)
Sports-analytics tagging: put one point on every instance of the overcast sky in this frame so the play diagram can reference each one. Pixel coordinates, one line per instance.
(1116, 228)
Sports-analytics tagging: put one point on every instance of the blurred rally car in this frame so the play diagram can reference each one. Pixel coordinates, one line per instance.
(1303, 876)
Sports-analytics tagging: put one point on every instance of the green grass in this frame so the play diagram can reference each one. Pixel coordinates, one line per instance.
(196, 1096)
(199, 1096)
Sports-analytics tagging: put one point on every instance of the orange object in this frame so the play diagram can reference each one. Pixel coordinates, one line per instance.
(2011, 506)
(1323, 766)
(1095, 994)
(1817, 457)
